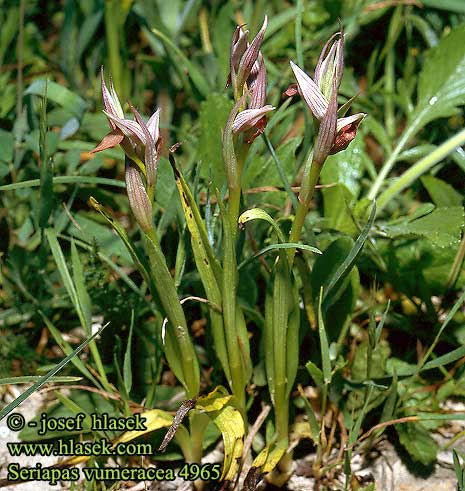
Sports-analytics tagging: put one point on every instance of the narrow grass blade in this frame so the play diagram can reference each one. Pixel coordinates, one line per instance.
(273, 247)
(27, 379)
(345, 268)
(127, 370)
(67, 349)
(34, 183)
(281, 172)
(324, 345)
(46, 378)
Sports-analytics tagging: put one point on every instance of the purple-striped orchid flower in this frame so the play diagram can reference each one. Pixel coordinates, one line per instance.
(320, 95)
(248, 77)
(140, 140)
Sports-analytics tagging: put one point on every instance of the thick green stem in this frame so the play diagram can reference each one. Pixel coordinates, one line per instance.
(178, 342)
(112, 27)
(309, 181)
(229, 316)
(389, 164)
(235, 189)
(422, 166)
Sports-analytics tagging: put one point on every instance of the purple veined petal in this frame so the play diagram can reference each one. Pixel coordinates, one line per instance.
(250, 56)
(150, 152)
(153, 124)
(130, 128)
(324, 56)
(248, 118)
(238, 47)
(310, 92)
(229, 156)
(355, 118)
(119, 109)
(258, 87)
(110, 99)
(327, 132)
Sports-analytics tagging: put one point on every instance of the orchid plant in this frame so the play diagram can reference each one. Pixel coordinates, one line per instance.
(140, 141)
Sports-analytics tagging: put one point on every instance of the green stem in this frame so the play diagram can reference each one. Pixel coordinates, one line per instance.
(457, 264)
(229, 315)
(422, 166)
(309, 181)
(389, 164)
(112, 26)
(235, 190)
(178, 343)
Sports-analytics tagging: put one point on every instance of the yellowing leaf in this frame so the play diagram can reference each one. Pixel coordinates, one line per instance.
(269, 457)
(229, 421)
(154, 420)
(214, 401)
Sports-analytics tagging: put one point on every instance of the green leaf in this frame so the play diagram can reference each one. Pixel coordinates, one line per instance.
(6, 146)
(46, 378)
(259, 214)
(344, 269)
(229, 421)
(273, 247)
(82, 294)
(451, 5)
(324, 345)
(58, 94)
(127, 365)
(337, 209)
(441, 84)
(213, 115)
(418, 442)
(347, 167)
(443, 227)
(65, 180)
(315, 373)
(442, 193)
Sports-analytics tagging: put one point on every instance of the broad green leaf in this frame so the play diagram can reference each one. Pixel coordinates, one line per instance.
(213, 115)
(441, 83)
(443, 227)
(347, 167)
(337, 200)
(418, 442)
(58, 94)
(442, 193)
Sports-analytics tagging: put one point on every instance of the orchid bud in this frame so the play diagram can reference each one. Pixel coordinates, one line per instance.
(250, 56)
(331, 64)
(138, 199)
